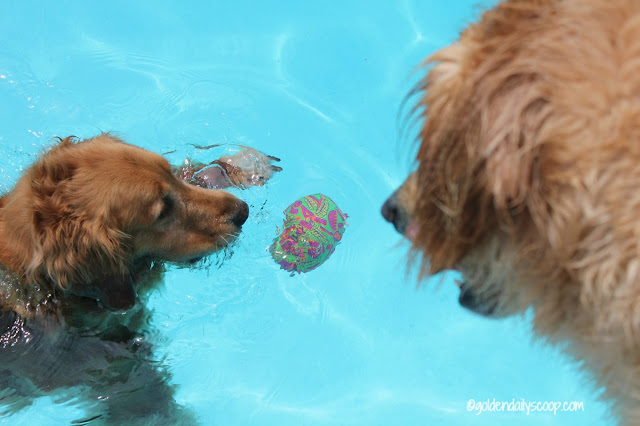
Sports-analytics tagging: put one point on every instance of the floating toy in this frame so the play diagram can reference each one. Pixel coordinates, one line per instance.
(312, 228)
(245, 168)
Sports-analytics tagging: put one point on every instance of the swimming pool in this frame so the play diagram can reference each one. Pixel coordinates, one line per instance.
(318, 85)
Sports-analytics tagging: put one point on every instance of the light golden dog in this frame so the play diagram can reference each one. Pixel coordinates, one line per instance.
(528, 176)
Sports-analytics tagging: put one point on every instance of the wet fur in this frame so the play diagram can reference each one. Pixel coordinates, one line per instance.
(82, 239)
(528, 177)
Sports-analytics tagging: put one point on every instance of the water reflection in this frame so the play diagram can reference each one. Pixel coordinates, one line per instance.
(79, 353)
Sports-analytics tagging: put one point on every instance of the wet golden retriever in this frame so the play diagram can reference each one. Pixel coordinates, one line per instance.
(528, 175)
(82, 238)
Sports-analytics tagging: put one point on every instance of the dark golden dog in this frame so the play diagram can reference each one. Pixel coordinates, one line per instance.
(527, 177)
(82, 238)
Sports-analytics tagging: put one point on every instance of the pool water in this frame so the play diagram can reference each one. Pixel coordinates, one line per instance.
(319, 85)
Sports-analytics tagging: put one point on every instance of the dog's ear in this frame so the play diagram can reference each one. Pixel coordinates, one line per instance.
(501, 104)
(484, 116)
(73, 245)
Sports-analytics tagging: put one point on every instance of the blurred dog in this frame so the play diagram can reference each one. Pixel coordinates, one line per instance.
(527, 177)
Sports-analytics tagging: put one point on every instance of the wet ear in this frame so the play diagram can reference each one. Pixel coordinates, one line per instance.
(76, 249)
(52, 169)
(71, 244)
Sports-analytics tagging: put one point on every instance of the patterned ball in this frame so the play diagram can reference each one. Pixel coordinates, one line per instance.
(312, 228)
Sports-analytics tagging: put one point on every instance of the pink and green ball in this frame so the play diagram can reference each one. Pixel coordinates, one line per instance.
(312, 228)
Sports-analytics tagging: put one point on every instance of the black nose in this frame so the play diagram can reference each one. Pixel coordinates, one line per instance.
(394, 214)
(390, 209)
(241, 214)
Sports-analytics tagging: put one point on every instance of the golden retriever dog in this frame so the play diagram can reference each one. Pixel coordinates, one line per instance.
(82, 239)
(527, 177)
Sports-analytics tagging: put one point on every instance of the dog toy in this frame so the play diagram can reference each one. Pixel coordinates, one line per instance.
(312, 228)
(245, 168)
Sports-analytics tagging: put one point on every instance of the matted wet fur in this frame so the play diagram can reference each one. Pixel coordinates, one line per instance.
(82, 239)
(528, 176)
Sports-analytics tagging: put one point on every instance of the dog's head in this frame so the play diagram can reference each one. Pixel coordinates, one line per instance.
(525, 122)
(89, 213)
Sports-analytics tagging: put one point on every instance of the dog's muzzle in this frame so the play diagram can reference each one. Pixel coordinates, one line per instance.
(484, 304)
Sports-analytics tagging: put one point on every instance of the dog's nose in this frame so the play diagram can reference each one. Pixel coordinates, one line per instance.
(394, 214)
(241, 214)
(389, 210)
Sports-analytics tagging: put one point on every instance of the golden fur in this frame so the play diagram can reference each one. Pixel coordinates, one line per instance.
(81, 235)
(96, 208)
(528, 176)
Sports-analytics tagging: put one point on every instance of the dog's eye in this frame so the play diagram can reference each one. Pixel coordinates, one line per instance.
(167, 208)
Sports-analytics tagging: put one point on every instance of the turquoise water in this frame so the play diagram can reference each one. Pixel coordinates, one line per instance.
(318, 85)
